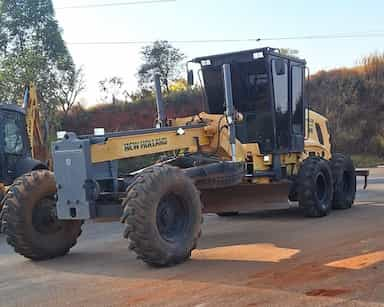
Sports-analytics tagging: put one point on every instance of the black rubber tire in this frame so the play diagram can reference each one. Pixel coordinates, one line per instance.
(227, 214)
(2, 197)
(315, 187)
(21, 203)
(142, 208)
(344, 178)
(2, 194)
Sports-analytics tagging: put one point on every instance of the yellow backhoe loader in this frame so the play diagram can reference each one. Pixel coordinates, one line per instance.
(22, 142)
(258, 144)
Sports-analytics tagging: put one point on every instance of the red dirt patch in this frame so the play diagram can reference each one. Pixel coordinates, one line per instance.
(327, 292)
(293, 275)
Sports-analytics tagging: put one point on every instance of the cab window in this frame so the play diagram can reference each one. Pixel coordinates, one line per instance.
(297, 100)
(319, 134)
(13, 135)
(280, 89)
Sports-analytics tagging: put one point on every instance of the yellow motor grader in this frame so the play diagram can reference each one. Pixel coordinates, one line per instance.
(258, 143)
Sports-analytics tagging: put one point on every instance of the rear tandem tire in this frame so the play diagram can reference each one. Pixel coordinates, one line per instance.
(163, 216)
(29, 219)
(315, 187)
(344, 178)
(2, 196)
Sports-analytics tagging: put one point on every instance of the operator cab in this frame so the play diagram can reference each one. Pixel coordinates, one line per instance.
(13, 141)
(268, 92)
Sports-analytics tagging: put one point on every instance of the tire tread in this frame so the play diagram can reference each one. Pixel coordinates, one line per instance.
(136, 216)
(13, 223)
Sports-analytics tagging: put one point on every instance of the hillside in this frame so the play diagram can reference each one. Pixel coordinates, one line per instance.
(127, 116)
(353, 101)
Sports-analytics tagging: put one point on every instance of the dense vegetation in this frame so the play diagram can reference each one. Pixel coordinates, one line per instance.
(353, 101)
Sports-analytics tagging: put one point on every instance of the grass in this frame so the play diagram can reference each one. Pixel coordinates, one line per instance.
(363, 161)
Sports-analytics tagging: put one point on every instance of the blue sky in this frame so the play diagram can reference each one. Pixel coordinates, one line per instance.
(217, 19)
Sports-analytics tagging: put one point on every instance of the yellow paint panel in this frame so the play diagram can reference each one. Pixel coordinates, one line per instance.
(140, 145)
(248, 252)
(358, 262)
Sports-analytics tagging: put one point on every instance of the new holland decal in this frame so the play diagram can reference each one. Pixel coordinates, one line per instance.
(146, 144)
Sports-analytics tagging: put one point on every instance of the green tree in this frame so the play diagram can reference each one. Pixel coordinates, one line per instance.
(111, 89)
(32, 50)
(72, 85)
(141, 95)
(162, 58)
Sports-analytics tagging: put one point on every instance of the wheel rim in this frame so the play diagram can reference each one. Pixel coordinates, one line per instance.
(172, 217)
(44, 218)
(321, 187)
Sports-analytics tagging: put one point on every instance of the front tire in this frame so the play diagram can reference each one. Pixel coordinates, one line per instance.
(163, 215)
(344, 178)
(29, 218)
(2, 196)
(315, 187)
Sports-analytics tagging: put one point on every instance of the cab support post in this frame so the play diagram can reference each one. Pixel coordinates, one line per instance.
(230, 110)
(161, 118)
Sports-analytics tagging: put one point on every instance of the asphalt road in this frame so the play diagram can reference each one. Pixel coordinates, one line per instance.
(271, 258)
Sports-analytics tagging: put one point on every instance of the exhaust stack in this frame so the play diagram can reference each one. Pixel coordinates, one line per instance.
(161, 118)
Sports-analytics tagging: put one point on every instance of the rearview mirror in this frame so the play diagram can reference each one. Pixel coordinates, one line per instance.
(190, 78)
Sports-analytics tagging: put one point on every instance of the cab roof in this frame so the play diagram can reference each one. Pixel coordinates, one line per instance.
(12, 107)
(244, 56)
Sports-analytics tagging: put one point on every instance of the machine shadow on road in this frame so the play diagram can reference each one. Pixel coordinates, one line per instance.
(280, 214)
(216, 265)
(223, 245)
